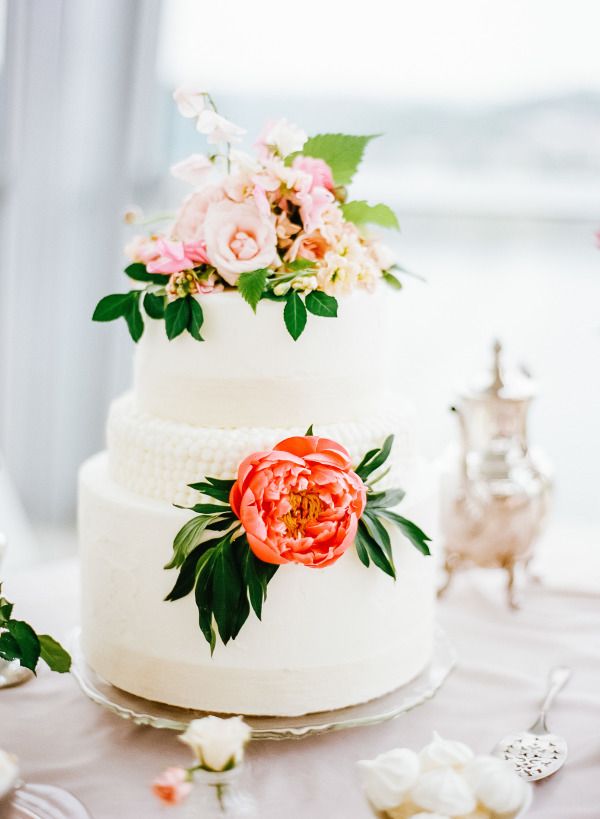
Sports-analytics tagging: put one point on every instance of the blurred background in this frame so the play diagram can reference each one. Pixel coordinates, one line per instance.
(491, 158)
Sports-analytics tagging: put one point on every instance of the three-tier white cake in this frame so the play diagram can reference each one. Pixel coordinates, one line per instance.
(328, 638)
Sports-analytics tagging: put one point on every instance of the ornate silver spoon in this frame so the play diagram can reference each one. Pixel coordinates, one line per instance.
(536, 753)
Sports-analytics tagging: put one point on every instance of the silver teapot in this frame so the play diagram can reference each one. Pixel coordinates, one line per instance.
(495, 500)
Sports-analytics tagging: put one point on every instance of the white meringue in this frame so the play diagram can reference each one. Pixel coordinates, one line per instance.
(9, 772)
(429, 816)
(443, 790)
(387, 778)
(441, 753)
(496, 784)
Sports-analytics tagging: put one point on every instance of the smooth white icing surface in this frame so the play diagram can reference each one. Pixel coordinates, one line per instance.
(159, 458)
(250, 372)
(328, 638)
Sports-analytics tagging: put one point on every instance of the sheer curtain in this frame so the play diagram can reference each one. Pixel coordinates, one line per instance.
(79, 143)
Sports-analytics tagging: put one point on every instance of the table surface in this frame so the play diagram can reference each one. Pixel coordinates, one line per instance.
(61, 738)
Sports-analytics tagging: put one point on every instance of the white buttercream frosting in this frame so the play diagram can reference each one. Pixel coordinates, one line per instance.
(444, 790)
(496, 784)
(440, 753)
(387, 779)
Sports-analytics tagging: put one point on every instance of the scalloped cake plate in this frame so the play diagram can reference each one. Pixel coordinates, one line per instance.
(157, 715)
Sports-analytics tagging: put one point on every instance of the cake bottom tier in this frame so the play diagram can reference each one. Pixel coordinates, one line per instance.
(328, 638)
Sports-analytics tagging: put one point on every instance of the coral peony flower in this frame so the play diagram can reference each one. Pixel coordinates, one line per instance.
(299, 502)
(171, 786)
(239, 238)
(317, 169)
(177, 256)
(189, 225)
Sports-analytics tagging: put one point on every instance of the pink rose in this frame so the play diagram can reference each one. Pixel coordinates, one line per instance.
(171, 786)
(143, 249)
(177, 256)
(239, 238)
(300, 502)
(313, 205)
(317, 169)
(189, 224)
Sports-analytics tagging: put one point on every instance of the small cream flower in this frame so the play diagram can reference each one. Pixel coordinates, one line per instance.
(217, 743)
(217, 128)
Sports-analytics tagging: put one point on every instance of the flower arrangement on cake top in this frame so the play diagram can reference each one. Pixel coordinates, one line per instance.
(275, 225)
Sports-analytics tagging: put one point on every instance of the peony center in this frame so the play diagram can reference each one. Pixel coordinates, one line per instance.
(306, 508)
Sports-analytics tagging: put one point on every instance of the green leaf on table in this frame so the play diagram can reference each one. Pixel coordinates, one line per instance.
(9, 648)
(6, 609)
(374, 459)
(54, 655)
(392, 280)
(196, 318)
(320, 304)
(154, 305)
(112, 307)
(342, 152)
(133, 317)
(410, 530)
(361, 213)
(294, 314)
(252, 285)
(177, 317)
(28, 642)
(137, 271)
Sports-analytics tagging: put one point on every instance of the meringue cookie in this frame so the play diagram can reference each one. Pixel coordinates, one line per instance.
(441, 753)
(387, 778)
(496, 784)
(429, 816)
(9, 772)
(443, 790)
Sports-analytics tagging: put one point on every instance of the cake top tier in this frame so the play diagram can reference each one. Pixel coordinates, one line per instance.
(274, 226)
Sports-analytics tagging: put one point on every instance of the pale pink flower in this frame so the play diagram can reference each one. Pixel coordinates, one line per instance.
(281, 137)
(176, 256)
(190, 101)
(217, 128)
(171, 786)
(311, 246)
(313, 204)
(143, 248)
(261, 201)
(238, 239)
(189, 224)
(194, 169)
(317, 169)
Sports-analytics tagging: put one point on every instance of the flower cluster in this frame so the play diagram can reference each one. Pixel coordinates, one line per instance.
(443, 781)
(274, 224)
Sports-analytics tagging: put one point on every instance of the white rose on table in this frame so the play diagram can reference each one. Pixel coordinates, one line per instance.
(217, 743)
(238, 239)
(9, 773)
(387, 779)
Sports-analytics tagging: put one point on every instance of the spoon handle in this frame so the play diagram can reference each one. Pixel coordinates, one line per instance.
(557, 679)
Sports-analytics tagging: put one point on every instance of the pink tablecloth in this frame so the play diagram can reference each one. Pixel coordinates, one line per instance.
(64, 739)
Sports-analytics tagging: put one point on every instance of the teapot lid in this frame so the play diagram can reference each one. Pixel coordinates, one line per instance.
(516, 385)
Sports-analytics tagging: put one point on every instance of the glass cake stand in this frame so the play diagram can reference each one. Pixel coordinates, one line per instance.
(157, 715)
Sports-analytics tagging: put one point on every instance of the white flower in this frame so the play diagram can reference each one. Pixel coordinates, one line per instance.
(243, 162)
(217, 128)
(190, 101)
(496, 784)
(284, 137)
(218, 743)
(9, 772)
(384, 256)
(441, 753)
(387, 778)
(443, 790)
(425, 815)
(193, 169)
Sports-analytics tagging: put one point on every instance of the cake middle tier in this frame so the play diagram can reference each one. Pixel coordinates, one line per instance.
(157, 458)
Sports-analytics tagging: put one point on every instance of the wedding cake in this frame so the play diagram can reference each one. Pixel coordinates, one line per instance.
(212, 488)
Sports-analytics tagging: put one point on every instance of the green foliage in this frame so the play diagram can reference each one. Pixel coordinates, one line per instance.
(309, 431)
(320, 304)
(137, 271)
(154, 305)
(252, 286)
(342, 152)
(125, 305)
(374, 459)
(361, 213)
(392, 280)
(294, 314)
(177, 316)
(196, 318)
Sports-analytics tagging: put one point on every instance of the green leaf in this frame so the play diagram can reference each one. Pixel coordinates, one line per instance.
(300, 264)
(392, 280)
(226, 590)
(186, 538)
(29, 644)
(220, 493)
(320, 304)
(154, 305)
(203, 597)
(390, 497)
(256, 574)
(309, 431)
(379, 533)
(374, 550)
(138, 272)
(252, 285)
(54, 655)
(9, 648)
(177, 317)
(294, 314)
(133, 317)
(226, 483)
(362, 551)
(6, 609)
(410, 530)
(210, 508)
(361, 213)
(112, 307)
(187, 573)
(342, 152)
(374, 459)
(196, 318)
